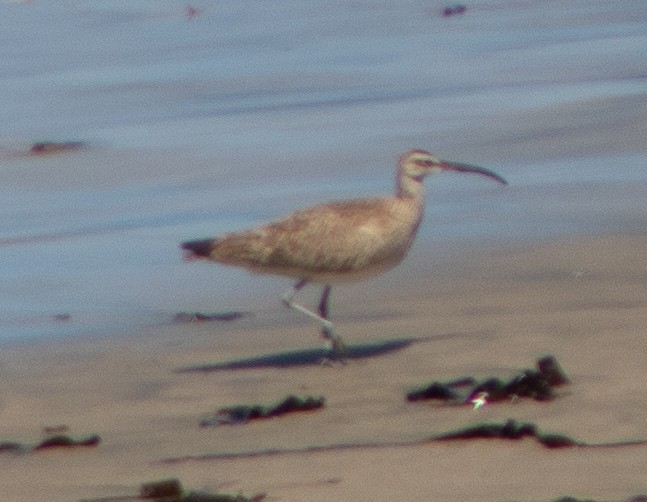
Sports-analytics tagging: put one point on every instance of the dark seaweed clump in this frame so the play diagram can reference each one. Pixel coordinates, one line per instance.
(511, 429)
(171, 490)
(537, 384)
(67, 441)
(51, 441)
(241, 414)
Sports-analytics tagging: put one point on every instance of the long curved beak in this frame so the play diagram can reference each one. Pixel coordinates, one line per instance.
(466, 168)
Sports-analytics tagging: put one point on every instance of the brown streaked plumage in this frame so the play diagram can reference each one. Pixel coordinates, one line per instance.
(338, 241)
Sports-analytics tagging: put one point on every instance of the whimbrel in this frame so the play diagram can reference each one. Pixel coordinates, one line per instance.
(335, 242)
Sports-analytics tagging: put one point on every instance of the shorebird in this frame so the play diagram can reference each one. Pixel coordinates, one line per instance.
(335, 242)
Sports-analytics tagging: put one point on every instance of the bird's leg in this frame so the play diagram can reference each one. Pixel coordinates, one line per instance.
(338, 346)
(323, 303)
(327, 329)
(288, 300)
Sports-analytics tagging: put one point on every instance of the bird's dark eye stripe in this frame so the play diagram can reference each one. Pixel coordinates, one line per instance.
(426, 163)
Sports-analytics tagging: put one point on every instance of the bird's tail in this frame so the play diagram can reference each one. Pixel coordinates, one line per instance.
(198, 249)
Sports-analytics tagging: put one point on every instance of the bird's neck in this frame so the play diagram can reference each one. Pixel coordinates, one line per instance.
(410, 188)
(410, 197)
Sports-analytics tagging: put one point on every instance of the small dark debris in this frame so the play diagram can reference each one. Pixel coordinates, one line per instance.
(241, 414)
(435, 390)
(66, 441)
(557, 441)
(530, 384)
(11, 447)
(454, 10)
(200, 317)
(294, 403)
(551, 371)
(535, 384)
(61, 317)
(171, 490)
(511, 429)
(192, 12)
(55, 437)
(46, 147)
(160, 489)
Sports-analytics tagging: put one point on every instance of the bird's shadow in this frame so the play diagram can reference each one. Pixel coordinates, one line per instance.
(303, 357)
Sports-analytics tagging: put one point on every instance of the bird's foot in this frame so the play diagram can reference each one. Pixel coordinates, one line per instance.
(332, 362)
(337, 350)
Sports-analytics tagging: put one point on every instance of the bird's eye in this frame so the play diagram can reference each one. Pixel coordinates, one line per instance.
(425, 162)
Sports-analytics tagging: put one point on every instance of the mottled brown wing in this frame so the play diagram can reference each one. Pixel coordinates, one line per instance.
(333, 238)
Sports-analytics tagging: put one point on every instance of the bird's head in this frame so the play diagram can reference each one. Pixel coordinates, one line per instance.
(417, 164)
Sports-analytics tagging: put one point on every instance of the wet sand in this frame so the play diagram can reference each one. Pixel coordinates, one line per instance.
(479, 313)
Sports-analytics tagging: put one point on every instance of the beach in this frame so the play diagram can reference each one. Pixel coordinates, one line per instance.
(130, 126)
(582, 301)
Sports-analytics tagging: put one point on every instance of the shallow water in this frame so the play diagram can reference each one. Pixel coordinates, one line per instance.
(196, 126)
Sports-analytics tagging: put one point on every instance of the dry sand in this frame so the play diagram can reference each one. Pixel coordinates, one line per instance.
(584, 301)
